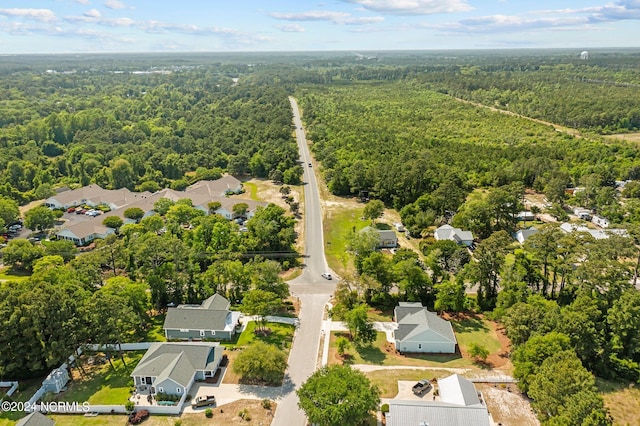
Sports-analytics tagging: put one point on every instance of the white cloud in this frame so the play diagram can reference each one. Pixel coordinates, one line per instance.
(363, 21)
(114, 4)
(314, 15)
(83, 1)
(413, 7)
(322, 15)
(93, 13)
(43, 15)
(581, 19)
(291, 28)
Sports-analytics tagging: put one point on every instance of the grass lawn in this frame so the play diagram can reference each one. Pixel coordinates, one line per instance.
(622, 399)
(259, 416)
(387, 380)
(383, 353)
(103, 386)
(155, 332)
(473, 329)
(6, 274)
(281, 335)
(337, 229)
(468, 330)
(378, 315)
(252, 189)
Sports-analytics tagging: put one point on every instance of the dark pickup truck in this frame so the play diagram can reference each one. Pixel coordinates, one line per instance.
(422, 387)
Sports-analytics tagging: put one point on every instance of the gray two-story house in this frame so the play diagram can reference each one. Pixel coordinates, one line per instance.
(210, 320)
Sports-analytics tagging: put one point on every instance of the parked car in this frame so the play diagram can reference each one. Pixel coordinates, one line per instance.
(327, 276)
(204, 401)
(422, 387)
(71, 209)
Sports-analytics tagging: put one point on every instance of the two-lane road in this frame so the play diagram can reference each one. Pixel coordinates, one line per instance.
(313, 290)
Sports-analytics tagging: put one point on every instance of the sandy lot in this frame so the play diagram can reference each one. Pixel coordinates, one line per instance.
(509, 408)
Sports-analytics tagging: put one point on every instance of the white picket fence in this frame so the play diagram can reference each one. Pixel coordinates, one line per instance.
(102, 409)
(142, 346)
(11, 385)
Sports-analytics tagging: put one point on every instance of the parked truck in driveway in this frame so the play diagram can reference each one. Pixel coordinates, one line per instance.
(422, 387)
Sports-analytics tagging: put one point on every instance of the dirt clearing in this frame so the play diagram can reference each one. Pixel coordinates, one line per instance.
(507, 407)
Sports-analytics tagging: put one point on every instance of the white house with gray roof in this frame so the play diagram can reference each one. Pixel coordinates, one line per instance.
(387, 238)
(172, 368)
(210, 320)
(422, 331)
(458, 404)
(448, 232)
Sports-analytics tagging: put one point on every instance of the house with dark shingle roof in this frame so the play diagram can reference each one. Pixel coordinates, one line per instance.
(172, 368)
(448, 232)
(422, 331)
(458, 404)
(210, 320)
(36, 419)
(201, 194)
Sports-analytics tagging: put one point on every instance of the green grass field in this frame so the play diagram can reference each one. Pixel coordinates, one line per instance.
(281, 335)
(252, 189)
(6, 274)
(337, 231)
(104, 385)
(622, 399)
(468, 331)
(475, 330)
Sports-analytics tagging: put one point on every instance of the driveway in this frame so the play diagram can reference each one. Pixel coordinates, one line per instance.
(227, 393)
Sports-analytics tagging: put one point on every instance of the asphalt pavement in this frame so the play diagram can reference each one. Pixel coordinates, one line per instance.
(313, 291)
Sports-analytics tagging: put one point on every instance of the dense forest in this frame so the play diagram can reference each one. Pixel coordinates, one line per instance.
(404, 127)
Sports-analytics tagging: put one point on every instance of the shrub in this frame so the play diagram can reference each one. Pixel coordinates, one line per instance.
(177, 423)
(129, 406)
(162, 396)
(266, 404)
(208, 413)
(243, 413)
(384, 408)
(138, 417)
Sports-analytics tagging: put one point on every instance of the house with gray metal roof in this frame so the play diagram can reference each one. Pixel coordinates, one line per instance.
(172, 368)
(458, 404)
(422, 331)
(210, 320)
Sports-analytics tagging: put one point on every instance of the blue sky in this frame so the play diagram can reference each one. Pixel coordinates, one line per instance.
(76, 26)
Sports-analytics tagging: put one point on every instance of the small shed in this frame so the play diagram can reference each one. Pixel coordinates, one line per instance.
(56, 380)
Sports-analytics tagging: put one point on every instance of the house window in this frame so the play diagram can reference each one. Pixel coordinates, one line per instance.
(419, 345)
(184, 330)
(201, 333)
(213, 332)
(178, 390)
(146, 380)
(160, 389)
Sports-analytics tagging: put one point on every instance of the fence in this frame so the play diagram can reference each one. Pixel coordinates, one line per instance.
(11, 385)
(123, 346)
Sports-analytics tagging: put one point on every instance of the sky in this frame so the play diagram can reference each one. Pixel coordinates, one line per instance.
(110, 26)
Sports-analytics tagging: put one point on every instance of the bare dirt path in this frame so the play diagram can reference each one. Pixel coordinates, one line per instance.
(556, 127)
